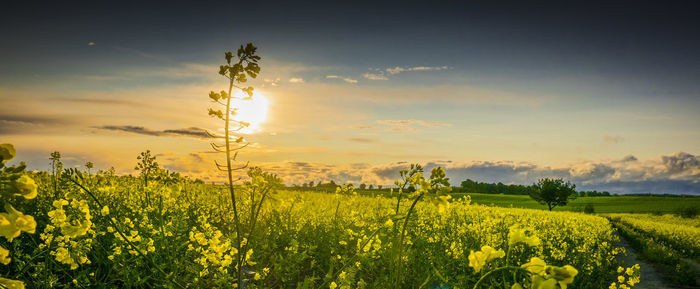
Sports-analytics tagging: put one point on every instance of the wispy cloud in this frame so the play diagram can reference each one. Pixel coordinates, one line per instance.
(375, 76)
(362, 127)
(398, 69)
(194, 132)
(346, 79)
(406, 124)
(613, 139)
(360, 139)
(296, 80)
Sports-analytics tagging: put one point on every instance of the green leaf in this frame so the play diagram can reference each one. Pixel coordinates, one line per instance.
(214, 96)
(222, 69)
(228, 56)
(217, 113)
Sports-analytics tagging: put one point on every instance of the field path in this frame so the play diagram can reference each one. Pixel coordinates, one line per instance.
(650, 277)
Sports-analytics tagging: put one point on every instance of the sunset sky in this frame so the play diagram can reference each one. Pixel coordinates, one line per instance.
(607, 96)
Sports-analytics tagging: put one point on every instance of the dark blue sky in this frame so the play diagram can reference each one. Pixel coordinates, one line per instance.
(654, 45)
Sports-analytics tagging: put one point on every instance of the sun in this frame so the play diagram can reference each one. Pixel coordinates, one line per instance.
(253, 111)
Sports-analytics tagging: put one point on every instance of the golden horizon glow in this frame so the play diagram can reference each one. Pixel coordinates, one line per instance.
(253, 111)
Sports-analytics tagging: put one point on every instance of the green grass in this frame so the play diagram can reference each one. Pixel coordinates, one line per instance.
(613, 204)
(618, 204)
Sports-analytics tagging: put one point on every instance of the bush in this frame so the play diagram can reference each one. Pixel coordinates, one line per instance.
(589, 209)
(688, 212)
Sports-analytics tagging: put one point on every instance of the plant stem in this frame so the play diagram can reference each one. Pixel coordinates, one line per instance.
(236, 220)
(496, 270)
(401, 238)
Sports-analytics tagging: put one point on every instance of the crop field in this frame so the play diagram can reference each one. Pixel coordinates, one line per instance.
(81, 230)
(669, 241)
(614, 204)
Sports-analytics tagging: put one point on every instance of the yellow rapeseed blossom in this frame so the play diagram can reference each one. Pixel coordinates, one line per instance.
(11, 284)
(13, 222)
(4, 256)
(478, 259)
(7, 152)
(26, 187)
(519, 235)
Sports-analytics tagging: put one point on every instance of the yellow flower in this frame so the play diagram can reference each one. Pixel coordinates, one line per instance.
(26, 187)
(4, 256)
(11, 284)
(333, 285)
(536, 265)
(14, 222)
(478, 259)
(564, 275)
(517, 235)
(389, 223)
(7, 152)
(105, 211)
(516, 286)
(538, 282)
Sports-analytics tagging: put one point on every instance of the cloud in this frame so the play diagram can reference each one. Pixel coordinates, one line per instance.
(613, 139)
(409, 122)
(346, 79)
(677, 173)
(31, 124)
(91, 43)
(375, 76)
(296, 80)
(398, 69)
(406, 125)
(360, 140)
(362, 127)
(194, 132)
(272, 82)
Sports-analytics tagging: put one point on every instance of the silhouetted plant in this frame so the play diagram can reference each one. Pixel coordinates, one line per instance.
(237, 72)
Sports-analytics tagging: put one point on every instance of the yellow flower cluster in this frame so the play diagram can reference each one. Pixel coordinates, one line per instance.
(70, 234)
(627, 278)
(547, 277)
(478, 259)
(214, 252)
(13, 222)
(517, 235)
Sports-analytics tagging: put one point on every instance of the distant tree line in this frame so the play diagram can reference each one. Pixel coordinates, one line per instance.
(331, 186)
(471, 186)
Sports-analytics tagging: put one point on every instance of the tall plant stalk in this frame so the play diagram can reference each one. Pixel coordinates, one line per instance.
(236, 73)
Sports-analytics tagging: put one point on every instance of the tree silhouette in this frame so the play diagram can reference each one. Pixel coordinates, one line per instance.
(553, 192)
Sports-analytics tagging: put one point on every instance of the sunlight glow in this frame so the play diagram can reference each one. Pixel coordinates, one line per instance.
(253, 111)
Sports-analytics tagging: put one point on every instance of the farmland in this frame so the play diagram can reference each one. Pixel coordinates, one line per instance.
(613, 204)
(104, 230)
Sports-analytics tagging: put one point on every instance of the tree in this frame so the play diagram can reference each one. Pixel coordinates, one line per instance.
(363, 186)
(89, 166)
(553, 192)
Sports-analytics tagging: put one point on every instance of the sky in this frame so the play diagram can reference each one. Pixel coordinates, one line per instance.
(605, 95)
